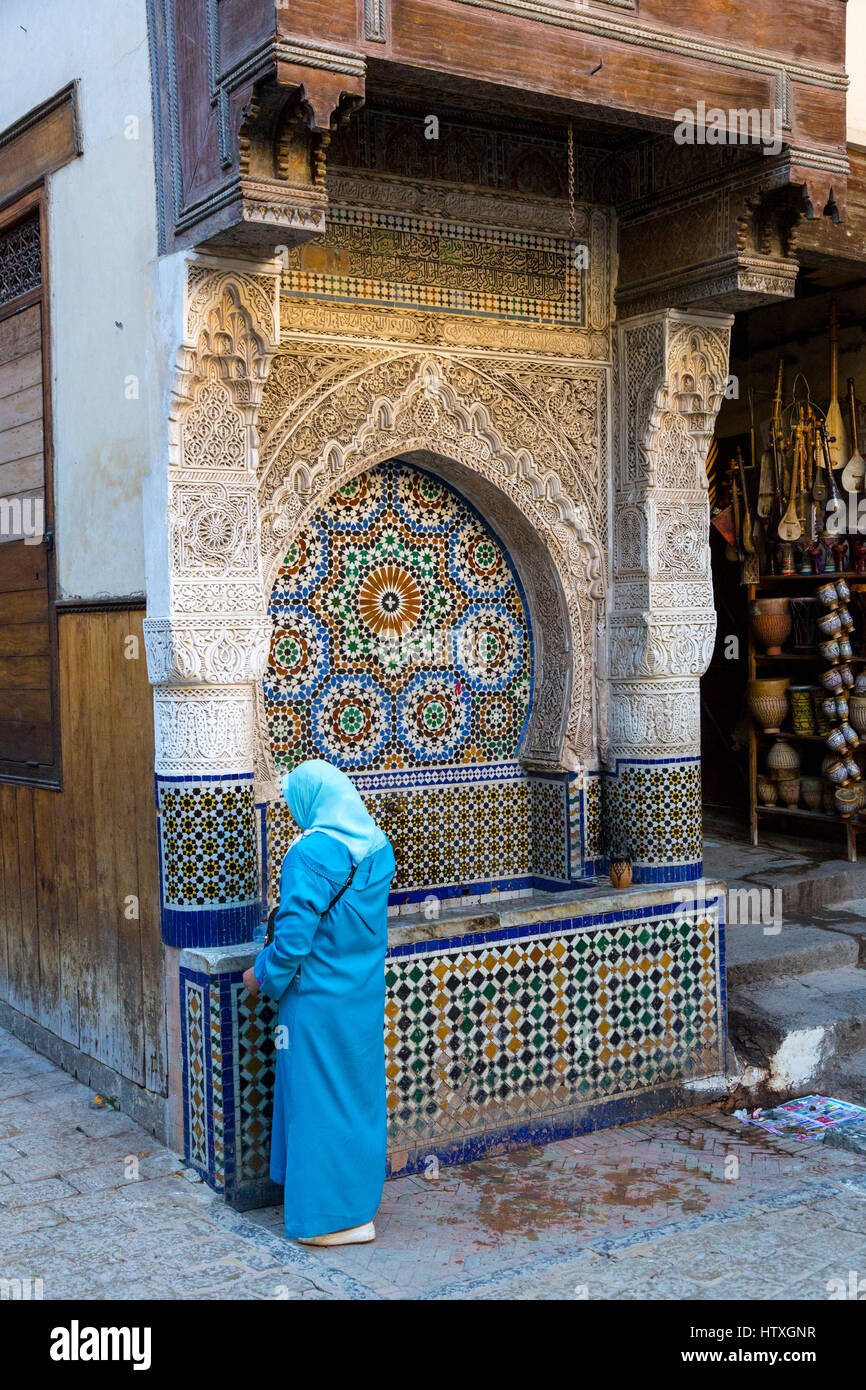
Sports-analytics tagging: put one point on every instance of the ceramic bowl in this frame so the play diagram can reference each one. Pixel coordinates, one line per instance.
(851, 738)
(783, 760)
(830, 623)
(812, 791)
(857, 712)
(767, 702)
(789, 790)
(829, 650)
(847, 801)
(828, 595)
(842, 590)
(771, 627)
(836, 741)
(831, 680)
(847, 677)
(766, 788)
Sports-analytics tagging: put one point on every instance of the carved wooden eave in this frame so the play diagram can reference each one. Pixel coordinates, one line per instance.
(727, 238)
(243, 126)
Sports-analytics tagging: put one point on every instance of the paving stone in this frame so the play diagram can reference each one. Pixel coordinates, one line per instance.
(639, 1212)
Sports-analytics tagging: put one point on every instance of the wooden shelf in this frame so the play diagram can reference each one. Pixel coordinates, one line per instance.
(797, 664)
(802, 738)
(807, 656)
(853, 822)
(822, 578)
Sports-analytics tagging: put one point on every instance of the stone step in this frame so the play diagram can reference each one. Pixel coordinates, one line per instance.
(806, 890)
(847, 1079)
(753, 953)
(799, 1029)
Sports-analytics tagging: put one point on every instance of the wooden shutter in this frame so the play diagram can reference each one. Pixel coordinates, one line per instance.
(28, 727)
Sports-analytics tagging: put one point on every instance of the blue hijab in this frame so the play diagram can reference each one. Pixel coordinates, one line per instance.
(321, 797)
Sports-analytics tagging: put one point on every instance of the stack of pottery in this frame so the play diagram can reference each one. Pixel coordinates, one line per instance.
(783, 765)
(846, 711)
(771, 622)
(802, 714)
(804, 617)
(768, 702)
(857, 704)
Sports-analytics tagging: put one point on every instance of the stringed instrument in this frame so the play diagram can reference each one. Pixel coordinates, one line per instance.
(791, 527)
(835, 509)
(837, 436)
(855, 469)
(777, 505)
(747, 534)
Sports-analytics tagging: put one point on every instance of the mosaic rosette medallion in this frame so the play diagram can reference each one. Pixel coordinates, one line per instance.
(400, 637)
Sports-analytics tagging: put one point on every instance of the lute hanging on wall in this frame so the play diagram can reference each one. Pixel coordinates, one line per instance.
(855, 469)
(837, 435)
(791, 527)
(835, 507)
(747, 532)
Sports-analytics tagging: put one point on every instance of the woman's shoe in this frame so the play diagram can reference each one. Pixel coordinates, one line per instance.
(355, 1235)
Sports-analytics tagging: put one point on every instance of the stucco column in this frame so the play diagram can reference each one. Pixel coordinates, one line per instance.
(207, 650)
(671, 382)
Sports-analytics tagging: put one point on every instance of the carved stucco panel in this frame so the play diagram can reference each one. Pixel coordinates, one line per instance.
(405, 404)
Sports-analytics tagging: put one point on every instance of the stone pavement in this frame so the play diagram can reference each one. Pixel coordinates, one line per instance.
(688, 1206)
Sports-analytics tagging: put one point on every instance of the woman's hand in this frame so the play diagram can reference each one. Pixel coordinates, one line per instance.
(251, 984)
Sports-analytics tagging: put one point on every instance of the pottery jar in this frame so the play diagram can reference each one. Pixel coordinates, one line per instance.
(829, 650)
(812, 789)
(783, 760)
(830, 624)
(831, 680)
(789, 790)
(828, 595)
(766, 788)
(767, 702)
(800, 697)
(857, 712)
(846, 801)
(771, 622)
(620, 871)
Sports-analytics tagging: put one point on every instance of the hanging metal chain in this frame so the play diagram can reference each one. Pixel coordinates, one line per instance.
(572, 215)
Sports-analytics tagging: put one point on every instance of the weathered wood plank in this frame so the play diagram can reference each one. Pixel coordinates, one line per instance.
(12, 877)
(24, 639)
(21, 407)
(24, 672)
(21, 334)
(66, 837)
(21, 706)
(44, 805)
(20, 441)
(124, 694)
(22, 567)
(20, 373)
(25, 741)
(23, 606)
(80, 638)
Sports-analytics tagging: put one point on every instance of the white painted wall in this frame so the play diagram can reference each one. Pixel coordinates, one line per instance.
(855, 62)
(103, 248)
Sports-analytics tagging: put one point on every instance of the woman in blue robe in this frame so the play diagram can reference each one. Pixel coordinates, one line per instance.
(326, 967)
